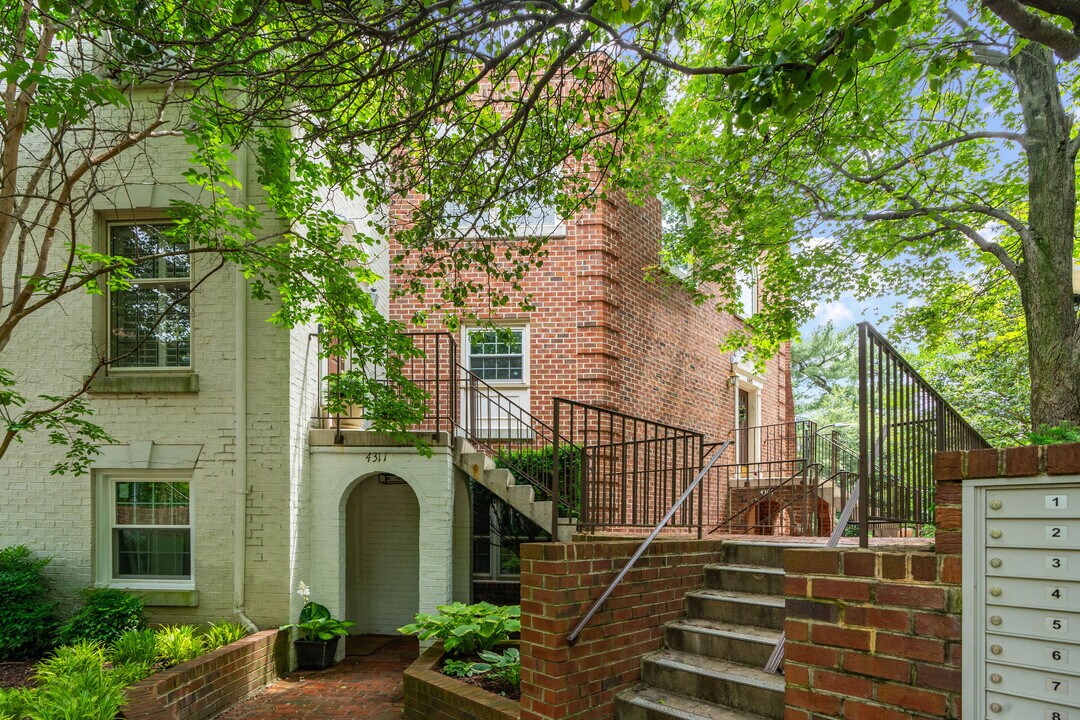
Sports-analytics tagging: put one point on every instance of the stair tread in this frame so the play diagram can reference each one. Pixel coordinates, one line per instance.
(716, 627)
(680, 706)
(732, 596)
(719, 669)
(763, 569)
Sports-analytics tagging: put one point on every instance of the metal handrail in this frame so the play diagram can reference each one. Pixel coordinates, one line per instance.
(573, 636)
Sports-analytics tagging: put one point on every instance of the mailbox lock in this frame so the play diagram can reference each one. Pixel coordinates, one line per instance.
(995, 707)
(995, 505)
(995, 619)
(995, 562)
(995, 534)
(995, 678)
(995, 591)
(996, 649)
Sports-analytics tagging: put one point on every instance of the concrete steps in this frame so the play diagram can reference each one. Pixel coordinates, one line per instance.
(501, 482)
(711, 666)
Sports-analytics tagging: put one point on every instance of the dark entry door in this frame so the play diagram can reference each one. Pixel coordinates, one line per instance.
(743, 443)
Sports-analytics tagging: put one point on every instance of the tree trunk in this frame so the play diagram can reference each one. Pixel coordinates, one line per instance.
(1045, 271)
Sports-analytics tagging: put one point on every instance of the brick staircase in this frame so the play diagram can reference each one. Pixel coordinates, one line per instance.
(711, 667)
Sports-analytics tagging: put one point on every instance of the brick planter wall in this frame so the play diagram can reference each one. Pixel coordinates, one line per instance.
(872, 635)
(203, 687)
(430, 695)
(558, 584)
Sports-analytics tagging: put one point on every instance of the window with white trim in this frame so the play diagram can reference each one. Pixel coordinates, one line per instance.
(747, 284)
(150, 321)
(497, 355)
(149, 529)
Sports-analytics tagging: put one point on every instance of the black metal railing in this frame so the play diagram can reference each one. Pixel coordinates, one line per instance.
(792, 481)
(459, 402)
(632, 470)
(903, 421)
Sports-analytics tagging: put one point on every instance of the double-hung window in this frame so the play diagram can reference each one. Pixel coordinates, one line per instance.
(498, 355)
(150, 321)
(150, 529)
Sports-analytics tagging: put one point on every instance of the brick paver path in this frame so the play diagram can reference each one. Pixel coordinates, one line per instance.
(360, 686)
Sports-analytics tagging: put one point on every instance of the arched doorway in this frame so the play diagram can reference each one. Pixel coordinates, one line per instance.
(382, 555)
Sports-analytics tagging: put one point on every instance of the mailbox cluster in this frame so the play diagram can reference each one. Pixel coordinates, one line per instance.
(1022, 600)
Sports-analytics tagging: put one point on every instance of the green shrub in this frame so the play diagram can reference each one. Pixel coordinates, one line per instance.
(132, 672)
(105, 615)
(220, 634)
(467, 629)
(77, 658)
(178, 643)
(507, 666)
(86, 694)
(1055, 434)
(28, 621)
(134, 647)
(538, 465)
(17, 703)
(463, 668)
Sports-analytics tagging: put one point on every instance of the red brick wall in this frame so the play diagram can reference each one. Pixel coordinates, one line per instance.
(558, 584)
(603, 334)
(952, 468)
(872, 635)
(203, 687)
(430, 695)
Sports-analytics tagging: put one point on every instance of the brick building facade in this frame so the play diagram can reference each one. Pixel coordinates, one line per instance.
(604, 333)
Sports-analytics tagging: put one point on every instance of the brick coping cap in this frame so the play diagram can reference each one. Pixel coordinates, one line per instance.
(1025, 461)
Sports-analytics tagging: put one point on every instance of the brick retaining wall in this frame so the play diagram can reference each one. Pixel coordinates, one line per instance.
(872, 635)
(430, 695)
(203, 687)
(558, 584)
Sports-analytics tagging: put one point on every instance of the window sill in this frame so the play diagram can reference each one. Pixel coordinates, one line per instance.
(145, 384)
(161, 597)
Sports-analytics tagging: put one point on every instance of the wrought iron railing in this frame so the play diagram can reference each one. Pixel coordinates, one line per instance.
(903, 421)
(460, 402)
(798, 479)
(632, 470)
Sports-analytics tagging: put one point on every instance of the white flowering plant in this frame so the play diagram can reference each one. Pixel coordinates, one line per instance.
(315, 623)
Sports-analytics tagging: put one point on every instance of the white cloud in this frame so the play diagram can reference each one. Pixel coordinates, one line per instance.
(836, 312)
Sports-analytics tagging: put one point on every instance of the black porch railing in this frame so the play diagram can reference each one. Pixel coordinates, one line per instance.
(903, 421)
(631, 470)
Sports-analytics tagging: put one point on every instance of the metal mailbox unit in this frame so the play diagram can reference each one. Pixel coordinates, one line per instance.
(1021, 595)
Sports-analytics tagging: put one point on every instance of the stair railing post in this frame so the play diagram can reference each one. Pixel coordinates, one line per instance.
(864, 443)
(556, 460)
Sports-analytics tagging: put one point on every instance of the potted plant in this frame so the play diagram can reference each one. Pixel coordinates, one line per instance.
(319, 633)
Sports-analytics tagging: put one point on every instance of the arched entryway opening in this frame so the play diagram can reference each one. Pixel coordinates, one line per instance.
(382, 555)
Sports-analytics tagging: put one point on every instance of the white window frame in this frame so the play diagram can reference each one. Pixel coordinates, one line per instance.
(747, 283)
(466, 347)
(750, 382)
(107, 227)
(104, 552)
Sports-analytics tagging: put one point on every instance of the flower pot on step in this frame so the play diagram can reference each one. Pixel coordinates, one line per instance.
(315, 654)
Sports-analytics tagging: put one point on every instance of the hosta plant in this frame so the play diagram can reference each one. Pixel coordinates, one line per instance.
(467, 629)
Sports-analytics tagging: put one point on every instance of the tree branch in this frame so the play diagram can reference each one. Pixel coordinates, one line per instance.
(1066, 45)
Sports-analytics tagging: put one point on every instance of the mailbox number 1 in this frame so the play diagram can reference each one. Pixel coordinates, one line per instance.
(1057, 502)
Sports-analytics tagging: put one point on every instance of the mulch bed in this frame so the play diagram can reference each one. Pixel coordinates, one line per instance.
(17, 674)
(492, 684)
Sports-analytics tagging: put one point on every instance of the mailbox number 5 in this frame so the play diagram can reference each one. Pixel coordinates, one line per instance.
(1057, 502)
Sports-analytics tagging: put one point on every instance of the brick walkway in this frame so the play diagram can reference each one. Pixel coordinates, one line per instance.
(366, 684)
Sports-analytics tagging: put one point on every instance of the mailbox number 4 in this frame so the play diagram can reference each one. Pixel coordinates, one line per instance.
(1057, 502)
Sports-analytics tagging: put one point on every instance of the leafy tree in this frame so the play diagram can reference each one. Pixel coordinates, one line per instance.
(897, 142)
(971, 348)
(825, 380)
(879, 125)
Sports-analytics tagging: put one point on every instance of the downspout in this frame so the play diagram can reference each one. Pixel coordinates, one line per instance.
(240, 462)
